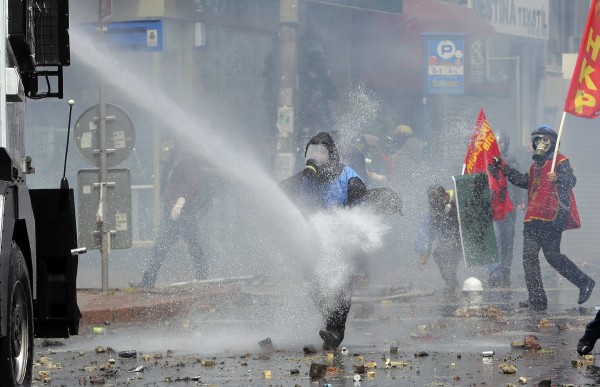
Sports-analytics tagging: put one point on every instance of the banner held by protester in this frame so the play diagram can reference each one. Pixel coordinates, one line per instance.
(473, 202)
(583, 98)
(480, 152)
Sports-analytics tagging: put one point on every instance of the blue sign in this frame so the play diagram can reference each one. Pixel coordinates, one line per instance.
(445, 64)
(144, 35)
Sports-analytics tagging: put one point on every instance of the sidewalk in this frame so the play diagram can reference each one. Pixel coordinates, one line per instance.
(146, 305)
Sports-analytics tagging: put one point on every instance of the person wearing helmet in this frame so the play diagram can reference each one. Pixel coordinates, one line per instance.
(398, 137)
(551, 209)
(326, 183)
(439, 236)
(499, 275)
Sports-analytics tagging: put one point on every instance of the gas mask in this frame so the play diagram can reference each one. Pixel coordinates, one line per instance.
(317, 156)
(541, 146)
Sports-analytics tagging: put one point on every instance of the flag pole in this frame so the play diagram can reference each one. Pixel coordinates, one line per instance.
(562, 122)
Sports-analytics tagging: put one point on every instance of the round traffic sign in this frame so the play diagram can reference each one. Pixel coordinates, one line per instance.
(120, 135)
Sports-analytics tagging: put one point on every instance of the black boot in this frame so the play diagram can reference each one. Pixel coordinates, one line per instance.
(587, 341)
(331, 338)
(586, 291)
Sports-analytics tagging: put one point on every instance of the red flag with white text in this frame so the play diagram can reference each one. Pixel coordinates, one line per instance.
(482, 149)
(583, 98)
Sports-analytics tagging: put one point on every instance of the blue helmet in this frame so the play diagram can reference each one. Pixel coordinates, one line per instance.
(544, 130)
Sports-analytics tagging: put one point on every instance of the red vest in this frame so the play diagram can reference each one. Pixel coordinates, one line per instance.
(543, 196)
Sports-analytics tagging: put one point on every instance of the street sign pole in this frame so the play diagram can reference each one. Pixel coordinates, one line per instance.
(105, 13)
(104, 230)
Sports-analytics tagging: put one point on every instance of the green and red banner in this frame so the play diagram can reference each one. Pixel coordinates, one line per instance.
(477, 235)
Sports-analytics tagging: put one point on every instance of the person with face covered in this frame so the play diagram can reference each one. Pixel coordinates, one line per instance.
(326, 183)
(439, 236)
(551, 209)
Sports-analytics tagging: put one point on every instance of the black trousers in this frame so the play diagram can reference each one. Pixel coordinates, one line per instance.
(545, 236)
(334, 305)
(447, 255)
(185, 227)
(594, 325)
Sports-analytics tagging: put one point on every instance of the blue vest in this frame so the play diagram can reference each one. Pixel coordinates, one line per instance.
(327, 195)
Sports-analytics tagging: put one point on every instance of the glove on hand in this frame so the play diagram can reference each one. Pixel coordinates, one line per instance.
(498, 163)
(176, 210)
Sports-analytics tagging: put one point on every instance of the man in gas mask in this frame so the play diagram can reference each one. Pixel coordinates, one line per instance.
(551, 209)
(326, 183)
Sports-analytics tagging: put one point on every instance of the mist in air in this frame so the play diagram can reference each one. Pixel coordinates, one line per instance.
(253, 229)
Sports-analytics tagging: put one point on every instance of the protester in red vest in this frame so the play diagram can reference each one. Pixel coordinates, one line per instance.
(551, 209)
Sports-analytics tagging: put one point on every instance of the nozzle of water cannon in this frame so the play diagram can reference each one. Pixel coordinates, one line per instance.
(78, 250)
(71, 102)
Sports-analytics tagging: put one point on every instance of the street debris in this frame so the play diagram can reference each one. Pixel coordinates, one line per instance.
(395, 364)
(128, 354)
(139, 368)
(587, 360)
(370, 364)
(508, 368)
(485, 311)
(528, 342)
(266, 344)
(188, 379)
(317, 371)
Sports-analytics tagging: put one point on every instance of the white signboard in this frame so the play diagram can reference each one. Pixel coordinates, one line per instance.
(527, 18)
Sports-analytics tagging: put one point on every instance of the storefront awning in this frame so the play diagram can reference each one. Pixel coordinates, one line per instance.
(389, 48)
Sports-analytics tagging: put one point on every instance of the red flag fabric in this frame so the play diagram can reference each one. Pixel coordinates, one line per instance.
(482, 149)
(583, 98)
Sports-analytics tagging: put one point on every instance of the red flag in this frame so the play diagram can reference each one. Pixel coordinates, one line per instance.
(583, 99)
(482, 149)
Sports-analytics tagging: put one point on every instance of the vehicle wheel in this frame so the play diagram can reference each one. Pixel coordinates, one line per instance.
(16, 349)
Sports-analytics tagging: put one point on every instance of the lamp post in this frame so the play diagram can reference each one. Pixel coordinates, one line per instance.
(288, 74)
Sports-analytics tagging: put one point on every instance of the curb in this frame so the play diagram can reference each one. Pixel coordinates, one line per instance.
(142, 305)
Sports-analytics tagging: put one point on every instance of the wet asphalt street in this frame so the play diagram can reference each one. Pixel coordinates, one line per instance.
(440, 343)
